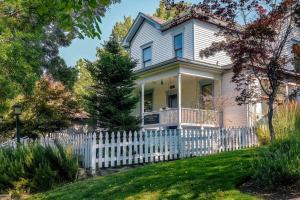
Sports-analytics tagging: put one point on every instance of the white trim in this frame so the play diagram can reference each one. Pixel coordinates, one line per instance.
(138, 22)
(179, 100)
(193, 39)
(146, 45)
(142, 102)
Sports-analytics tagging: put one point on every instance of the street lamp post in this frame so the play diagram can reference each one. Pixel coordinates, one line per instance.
(17, 112)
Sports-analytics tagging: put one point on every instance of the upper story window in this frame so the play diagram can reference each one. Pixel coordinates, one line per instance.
(147, 56)
(296, 52)
(178, 45)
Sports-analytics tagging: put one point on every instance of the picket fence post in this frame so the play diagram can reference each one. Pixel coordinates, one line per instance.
(93, 153)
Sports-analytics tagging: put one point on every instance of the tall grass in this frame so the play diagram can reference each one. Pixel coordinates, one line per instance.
(279, 164)
(286, 120)
(35, 168)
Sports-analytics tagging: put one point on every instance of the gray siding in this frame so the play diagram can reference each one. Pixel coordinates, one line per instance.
(293, 39)
(161, 42)
(233, 114)
(204, 36)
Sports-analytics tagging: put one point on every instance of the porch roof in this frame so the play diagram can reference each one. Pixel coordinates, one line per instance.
(183, 61)
(176, 66)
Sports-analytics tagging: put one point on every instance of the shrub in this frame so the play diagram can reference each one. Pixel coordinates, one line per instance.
(279, 164)
(286, 120)
(37, 166)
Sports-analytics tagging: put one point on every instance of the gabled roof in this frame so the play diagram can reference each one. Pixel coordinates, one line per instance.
(154, 21)
(164, 25)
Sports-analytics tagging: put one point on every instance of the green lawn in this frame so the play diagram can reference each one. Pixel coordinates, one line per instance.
(211, 177)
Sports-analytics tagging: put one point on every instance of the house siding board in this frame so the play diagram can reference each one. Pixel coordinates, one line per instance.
(293, 38)
(162, 43)
(204, 34)
(233, 114)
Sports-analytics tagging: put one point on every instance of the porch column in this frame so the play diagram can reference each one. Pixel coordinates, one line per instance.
(179, 100)
(142, 103)
(287, 91)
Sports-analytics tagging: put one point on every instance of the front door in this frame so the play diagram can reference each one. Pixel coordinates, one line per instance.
(172, 101)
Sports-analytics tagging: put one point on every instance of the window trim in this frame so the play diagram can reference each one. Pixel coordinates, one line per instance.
(178, 49)
(143, 56)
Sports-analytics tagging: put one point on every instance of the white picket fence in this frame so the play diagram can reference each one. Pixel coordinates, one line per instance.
(103, 150)
(13, 143)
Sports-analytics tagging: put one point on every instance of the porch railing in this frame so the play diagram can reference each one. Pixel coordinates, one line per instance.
(189, 116)
(200, 117)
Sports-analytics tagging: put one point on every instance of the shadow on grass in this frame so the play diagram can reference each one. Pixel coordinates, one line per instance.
(210, 177)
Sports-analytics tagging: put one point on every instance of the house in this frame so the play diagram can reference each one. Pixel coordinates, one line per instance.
(177, 87)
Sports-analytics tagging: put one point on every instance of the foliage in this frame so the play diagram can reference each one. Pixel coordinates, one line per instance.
(286, 120)
(31, 33)
(165, 13)
(207, 177)
(112, 100)
(121, 29)
(279, 164)
(83, 84)
(51, 107)
(36, 168)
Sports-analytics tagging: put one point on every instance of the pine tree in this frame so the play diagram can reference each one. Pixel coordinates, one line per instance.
(112, 101)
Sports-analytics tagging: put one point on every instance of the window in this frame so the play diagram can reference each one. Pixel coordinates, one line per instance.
(148, 101)
(206, 96)
(147, 54)
(178, 45)
(296, 51)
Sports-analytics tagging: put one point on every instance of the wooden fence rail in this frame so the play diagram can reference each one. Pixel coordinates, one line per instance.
(103, 150)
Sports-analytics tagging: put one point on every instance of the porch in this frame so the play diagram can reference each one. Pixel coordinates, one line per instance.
(189, 117)
(176, 99)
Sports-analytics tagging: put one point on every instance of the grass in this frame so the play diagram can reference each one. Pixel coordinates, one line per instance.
(210, 177)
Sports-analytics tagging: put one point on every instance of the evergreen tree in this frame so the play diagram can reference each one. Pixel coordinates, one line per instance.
(121, 28)
(168, 13)
(83, 83)
(112, 101)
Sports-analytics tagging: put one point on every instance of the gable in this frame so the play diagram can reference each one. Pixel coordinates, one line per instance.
(138, 22)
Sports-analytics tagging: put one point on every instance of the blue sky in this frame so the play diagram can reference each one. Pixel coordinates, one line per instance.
(86, 48)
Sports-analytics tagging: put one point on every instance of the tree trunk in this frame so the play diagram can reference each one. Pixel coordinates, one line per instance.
(270, 119)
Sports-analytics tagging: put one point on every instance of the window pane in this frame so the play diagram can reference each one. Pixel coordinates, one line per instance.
(296, 51)
(172, 101)
(297, 64)
(178, 53)
(147, 63)
(147, 54)
(178, 41)
(207, 95)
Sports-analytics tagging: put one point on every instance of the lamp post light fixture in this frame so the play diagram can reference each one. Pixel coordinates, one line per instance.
(17, 111)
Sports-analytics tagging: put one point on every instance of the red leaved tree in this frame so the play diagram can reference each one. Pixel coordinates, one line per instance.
(256, 34)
